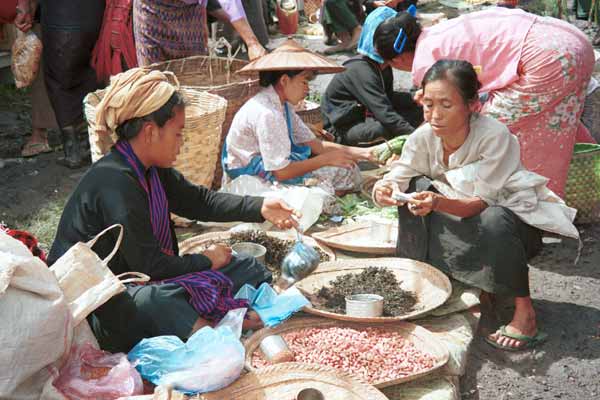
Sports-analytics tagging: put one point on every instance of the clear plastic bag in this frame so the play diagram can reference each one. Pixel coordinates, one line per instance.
(90, 373)
(308, 200)
(26, 55)
(210, 360)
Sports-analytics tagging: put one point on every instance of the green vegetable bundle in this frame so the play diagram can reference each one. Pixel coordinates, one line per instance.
(353, 205)
(386, 149)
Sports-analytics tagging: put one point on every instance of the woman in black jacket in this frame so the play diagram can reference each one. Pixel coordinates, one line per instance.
(360, 104)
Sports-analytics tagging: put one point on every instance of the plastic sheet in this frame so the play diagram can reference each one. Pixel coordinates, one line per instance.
(26, 55)
(273, 308)
(210, 360)
(90, 373)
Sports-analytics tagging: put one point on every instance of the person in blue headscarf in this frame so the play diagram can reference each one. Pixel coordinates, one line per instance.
(360, 104)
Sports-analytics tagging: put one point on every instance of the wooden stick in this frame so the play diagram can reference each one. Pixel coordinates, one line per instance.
(592, 11)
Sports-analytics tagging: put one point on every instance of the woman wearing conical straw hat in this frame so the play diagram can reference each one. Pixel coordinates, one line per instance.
(269, 140)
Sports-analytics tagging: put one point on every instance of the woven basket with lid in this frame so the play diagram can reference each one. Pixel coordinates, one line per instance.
(204, 118)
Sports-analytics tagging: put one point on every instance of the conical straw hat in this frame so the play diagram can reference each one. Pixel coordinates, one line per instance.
(291, 56)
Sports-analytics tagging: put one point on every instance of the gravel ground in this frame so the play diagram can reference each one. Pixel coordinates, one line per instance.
(566, 296)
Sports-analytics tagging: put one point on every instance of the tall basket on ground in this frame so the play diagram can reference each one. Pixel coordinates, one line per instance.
(204, 116)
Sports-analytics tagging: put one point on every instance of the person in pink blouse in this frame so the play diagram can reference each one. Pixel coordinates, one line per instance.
(170, 29)
(534, 69)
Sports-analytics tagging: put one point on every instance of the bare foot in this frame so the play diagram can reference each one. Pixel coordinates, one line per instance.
(37, 143)
(523, 324)
(345, 39)
(355, 37)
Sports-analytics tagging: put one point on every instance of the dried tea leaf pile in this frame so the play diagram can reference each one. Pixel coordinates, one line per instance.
(277, 249)
(381, 281)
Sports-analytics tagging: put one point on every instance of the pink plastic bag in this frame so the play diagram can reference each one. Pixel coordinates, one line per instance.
(90, 373)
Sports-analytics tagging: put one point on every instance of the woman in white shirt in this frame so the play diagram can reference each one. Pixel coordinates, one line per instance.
(269, 140)
(475, 212)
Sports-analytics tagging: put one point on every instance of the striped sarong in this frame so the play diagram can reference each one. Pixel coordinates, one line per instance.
(168, 29)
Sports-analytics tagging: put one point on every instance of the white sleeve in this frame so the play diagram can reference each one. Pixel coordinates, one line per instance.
(414, 161)
(500, 157)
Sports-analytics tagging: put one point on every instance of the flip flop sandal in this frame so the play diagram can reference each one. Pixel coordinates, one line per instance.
(529, 342)
(33, 149)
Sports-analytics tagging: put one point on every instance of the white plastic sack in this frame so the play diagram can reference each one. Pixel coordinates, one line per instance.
(36, 329)
(308, 200)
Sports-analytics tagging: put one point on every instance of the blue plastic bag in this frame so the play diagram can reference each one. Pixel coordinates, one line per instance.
(273, 308)
(210, 360)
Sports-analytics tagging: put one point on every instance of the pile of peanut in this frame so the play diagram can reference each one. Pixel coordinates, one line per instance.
(375, 355)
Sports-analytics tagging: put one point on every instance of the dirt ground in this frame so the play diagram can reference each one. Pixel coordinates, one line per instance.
(566, 296)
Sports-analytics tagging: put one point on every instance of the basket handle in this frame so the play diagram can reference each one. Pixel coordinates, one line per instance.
(109, 257)
(139, 277)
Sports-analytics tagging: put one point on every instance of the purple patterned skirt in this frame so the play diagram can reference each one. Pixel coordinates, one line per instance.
(168, 29)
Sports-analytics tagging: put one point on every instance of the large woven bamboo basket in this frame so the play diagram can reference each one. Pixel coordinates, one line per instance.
(311, 7)
(199, 153)
(422, 339)
(591, 114)
(218, 76)
(285, 381)
(431, 287)
(310, 113)
(583, 183)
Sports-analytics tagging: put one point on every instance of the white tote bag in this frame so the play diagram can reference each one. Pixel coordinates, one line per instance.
(86, 280)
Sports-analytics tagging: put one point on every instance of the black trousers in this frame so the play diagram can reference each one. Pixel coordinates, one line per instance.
(489, 251)
(161, 309)
(371, 129)
(68, 74)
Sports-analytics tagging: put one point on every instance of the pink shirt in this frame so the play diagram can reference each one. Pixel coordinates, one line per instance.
(491, 39)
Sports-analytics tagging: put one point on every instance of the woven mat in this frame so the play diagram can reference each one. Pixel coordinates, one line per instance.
(456, 330)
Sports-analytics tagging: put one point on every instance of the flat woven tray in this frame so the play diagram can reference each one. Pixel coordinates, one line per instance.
(423, 340)
(284, 381)
(196, 243)
(430, 285)
(357, 238)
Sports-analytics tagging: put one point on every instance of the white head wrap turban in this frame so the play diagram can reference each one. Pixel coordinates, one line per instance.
(133, 94)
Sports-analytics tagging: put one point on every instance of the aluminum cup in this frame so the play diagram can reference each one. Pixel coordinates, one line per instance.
(364, 305)
(274, 347)
(250, 249)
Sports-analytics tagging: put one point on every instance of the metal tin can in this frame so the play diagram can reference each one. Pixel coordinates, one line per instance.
(276, 350)
(255, 250)
(364, 305)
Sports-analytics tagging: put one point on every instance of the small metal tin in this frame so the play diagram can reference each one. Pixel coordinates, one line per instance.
(310, 394)
(275, 349)
(255, 250)
(364, 305)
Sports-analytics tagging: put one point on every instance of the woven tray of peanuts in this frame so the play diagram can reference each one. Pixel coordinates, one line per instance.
(382, 355)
